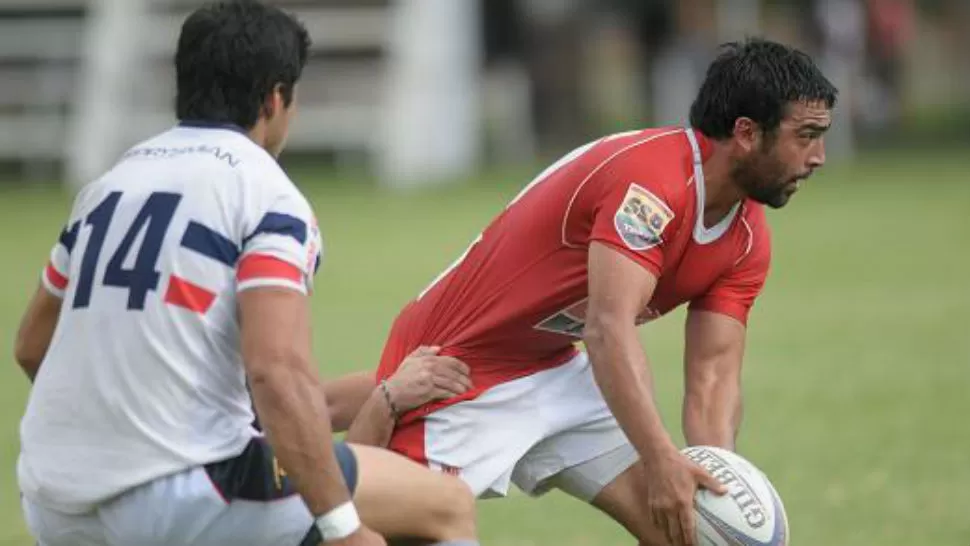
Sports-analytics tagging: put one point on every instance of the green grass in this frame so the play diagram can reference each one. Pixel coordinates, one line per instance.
(858, 364)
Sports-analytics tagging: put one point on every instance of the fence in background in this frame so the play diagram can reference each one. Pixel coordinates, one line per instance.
(80, 80)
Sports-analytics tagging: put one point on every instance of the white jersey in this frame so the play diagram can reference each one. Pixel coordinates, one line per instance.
(144, 376)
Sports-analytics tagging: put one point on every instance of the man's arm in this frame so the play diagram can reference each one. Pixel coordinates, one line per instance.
(422, 377)
(36, 331)
(346, 395)
(619, 289)
(286, 390)
(375, 422)
(714, 347)
(713, 355)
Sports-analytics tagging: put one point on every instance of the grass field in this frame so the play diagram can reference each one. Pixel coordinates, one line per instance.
(858, 369)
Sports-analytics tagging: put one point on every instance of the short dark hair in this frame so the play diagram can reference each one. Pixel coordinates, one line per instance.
(230, 57)
(756, 79)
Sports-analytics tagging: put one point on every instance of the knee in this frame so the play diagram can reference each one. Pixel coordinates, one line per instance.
(453, 517)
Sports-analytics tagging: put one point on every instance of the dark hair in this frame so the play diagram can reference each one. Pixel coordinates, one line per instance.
(230, 57)
(756, 79)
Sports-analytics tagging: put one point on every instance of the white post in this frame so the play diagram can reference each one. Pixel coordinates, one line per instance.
(109, 62)
(431, 126)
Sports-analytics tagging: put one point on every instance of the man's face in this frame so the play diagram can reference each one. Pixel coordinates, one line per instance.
(774, 169)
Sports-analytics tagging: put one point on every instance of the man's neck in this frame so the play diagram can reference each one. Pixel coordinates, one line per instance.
(258, 133)
(720, 193)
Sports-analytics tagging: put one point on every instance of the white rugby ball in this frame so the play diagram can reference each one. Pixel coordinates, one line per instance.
(750, 514)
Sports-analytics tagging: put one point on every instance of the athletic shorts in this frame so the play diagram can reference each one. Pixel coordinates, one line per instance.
(245, 501)
(548, 430)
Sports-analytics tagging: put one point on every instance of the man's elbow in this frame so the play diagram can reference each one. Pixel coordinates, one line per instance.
(598, 331)
(275, 374)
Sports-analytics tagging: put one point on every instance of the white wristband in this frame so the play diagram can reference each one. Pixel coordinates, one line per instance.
(341, 522)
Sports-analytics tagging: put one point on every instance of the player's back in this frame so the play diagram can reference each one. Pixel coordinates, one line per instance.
(529, 263)
(143, 377)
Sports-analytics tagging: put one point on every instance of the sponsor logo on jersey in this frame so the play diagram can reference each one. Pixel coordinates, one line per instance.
(571, 321)
(641, 218)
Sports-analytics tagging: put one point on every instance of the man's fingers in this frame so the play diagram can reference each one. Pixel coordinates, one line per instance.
(455, 364)
(659, 520)
(442, 394)
(458, 371)
(705, 480)
(674, 532)
(687, 526)
(449, 385)
(452, 374)
(424, 350)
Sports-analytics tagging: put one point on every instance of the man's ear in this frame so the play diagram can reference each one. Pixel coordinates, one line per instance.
(747, 134)
(274, 101)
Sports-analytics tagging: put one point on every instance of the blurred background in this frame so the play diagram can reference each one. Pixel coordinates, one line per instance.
(423, 90)
(859, 355)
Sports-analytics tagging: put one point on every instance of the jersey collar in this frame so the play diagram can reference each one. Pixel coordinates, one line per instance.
(703, 142)
(206, 124)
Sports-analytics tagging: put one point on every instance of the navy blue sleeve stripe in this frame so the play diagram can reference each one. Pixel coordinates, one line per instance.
(280, 224)
(211, 244)
(69, 236)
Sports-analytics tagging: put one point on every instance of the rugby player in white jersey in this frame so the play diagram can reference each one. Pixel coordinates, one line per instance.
(178, 286)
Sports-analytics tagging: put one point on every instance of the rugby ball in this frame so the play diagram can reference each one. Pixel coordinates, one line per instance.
(750, 514)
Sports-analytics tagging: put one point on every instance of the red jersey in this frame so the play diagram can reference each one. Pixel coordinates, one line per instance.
(515, 302)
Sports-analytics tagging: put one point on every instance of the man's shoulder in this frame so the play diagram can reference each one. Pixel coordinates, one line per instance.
(657, 159)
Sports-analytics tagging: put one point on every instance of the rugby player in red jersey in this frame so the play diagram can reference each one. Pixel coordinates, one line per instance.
(617, 233)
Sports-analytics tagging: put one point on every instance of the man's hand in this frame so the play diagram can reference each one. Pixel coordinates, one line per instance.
(424, 376)
(362, 537)
(670, 497)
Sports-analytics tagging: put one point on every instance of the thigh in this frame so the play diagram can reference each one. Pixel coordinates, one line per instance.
(51, 528)
(587, 449)
(399, 498)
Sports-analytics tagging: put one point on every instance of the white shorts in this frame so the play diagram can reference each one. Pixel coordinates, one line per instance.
(548, 430)
(242, 502)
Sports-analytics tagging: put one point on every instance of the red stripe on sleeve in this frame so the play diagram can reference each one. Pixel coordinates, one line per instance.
(262, 266)
(57, 280)
(182, 293)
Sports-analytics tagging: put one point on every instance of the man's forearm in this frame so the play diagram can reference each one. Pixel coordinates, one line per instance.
(290, 405)
(713, 417)
(713, 354)
(623, 376)
(346, 396)
(374, 424)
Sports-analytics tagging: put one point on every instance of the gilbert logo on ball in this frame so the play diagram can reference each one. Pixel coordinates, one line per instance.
(750, 514)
